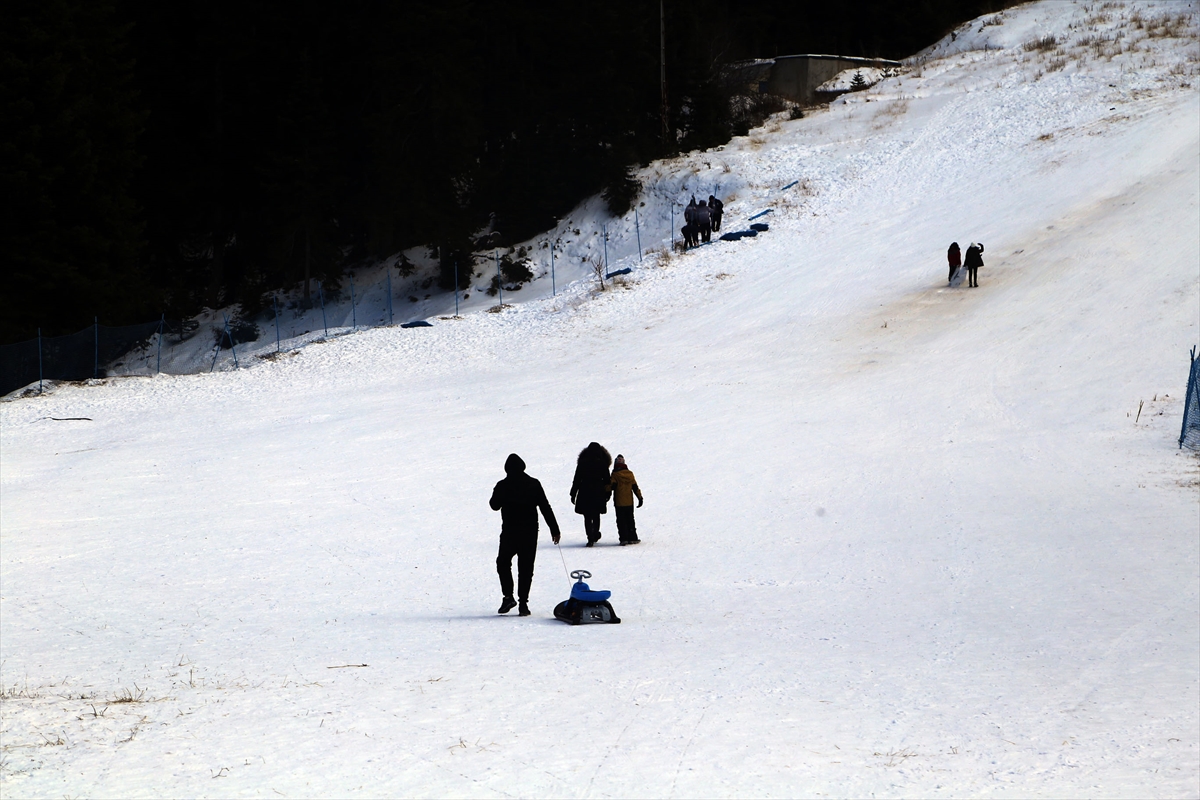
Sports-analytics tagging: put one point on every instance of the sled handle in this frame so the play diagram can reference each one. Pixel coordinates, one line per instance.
(580, 574)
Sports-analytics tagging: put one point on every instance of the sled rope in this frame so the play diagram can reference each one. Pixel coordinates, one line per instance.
(564, 560)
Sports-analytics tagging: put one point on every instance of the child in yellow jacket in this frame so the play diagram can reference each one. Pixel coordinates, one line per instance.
(624, 487)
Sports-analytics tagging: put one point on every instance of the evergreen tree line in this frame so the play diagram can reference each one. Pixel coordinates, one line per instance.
(170, 156)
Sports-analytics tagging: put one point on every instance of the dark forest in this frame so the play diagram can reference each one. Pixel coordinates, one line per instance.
(161, 157)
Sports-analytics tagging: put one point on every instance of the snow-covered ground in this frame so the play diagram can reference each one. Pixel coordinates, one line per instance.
(900, 539)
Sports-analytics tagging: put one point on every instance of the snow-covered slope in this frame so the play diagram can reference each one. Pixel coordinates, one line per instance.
(900, 540)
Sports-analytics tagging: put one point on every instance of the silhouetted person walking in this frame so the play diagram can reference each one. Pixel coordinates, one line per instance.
(954, 256)
(715, 210)
(591, 487)
(974, 262)
(518, 498)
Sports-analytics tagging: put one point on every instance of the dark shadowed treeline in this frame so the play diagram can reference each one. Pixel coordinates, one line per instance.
(165, 156)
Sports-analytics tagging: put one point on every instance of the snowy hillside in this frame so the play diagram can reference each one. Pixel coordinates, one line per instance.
(899, 539)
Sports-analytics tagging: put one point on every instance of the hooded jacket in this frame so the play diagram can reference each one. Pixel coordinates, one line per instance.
(624, 487)
(518, 498)
(954, 255)
(591, 486)
(974, 256)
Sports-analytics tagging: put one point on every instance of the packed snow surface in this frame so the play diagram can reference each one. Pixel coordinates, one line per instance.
(899, 539)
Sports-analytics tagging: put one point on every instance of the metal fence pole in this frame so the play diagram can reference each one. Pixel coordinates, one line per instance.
(353, 310)
(162, 327)
(499, 278)
(604, 237)
(96, 367)
(672, 225)
(637, 225)
(217, 354)
(389, 291)
(39, 360)
(553, 287)
(321, 294)
(456, 287)
(232, 348)
(275, 302)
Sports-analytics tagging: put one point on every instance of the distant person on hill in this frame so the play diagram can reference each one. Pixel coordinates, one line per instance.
(591, 487)
(704, 222)
(954, 256)
(715, 209)
(974, 262)
(518, 498)
(689, 235)
(624, 487)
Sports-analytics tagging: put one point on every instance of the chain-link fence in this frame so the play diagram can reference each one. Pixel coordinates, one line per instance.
(83, 355)
(1189, 436)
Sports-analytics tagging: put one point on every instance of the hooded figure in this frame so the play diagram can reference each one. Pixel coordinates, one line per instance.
(715, 209)
(974, 262)
(624, 488)
(954, 256)
(591, 487)
(518, 498)
(704, 221)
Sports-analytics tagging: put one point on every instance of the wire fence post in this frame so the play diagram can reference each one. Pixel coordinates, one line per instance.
(162, 329)
(232, 348)
(604, 238)
(456, 287)
(353, 310)
(637, 226)
(321, 294)
(1192, 388)
(96, 367)
(499, 278)
(39, 360)
(672, 225)
(553, 286)
(275, 302)
(389, 291)
(217, 354)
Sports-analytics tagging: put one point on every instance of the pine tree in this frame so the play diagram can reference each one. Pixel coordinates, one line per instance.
(70, 230)
(858, 82)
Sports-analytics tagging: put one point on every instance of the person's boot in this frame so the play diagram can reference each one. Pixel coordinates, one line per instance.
(524, 609)
(507, 605)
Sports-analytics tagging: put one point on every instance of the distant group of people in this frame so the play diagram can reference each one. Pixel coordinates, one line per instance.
(973, 263)
(700, 220)
(519, 497)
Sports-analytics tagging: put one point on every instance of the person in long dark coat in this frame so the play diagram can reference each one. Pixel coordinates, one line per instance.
(954, 256)
(704, 221)
(974, 262)
(591, 487)
(518, 498)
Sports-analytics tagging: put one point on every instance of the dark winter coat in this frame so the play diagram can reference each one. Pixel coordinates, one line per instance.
(518, 498)
(975, 256)
(592, 484)
(715, 209)
(954, 255)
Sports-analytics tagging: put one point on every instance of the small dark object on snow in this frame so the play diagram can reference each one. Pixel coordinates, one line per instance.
(625, 271)
(586, 606)
(420, 323)
(761, 227)
(732, 236)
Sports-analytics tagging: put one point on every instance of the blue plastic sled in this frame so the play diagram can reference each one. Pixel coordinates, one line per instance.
(586, 606)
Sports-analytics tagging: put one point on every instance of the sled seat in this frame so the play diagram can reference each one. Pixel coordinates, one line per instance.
(581, 591)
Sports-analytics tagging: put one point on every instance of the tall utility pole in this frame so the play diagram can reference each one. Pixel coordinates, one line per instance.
(662, 75)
